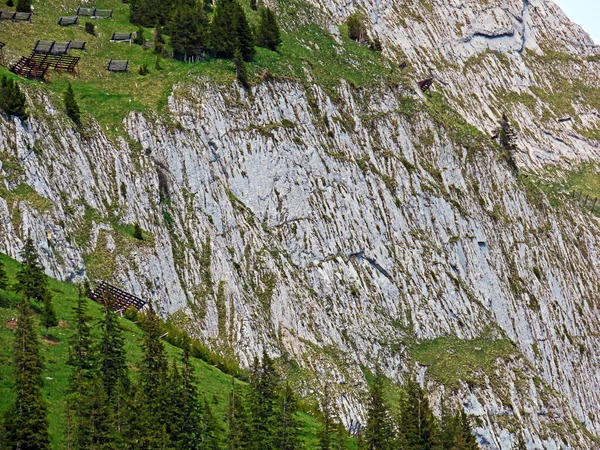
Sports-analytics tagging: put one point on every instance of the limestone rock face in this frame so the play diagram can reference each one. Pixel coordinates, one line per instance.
(345, 229)
(482, 50)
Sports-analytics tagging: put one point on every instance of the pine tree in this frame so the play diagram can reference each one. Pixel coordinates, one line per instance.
(148, 13)
(327, 427)
(465, 438)
(12, 100)
(151, 398)
(379, 432)
(188, 31)
(418, 426)
(240, 69)
(269, 35)
(187, 418)
(238, 434)
(81, 355)
(26, 421)
(230, 30)
(289, 426)
(71, 106)
(31, 280)
(253, 5)
(49, 318)
(24, 6)
(3, 277)
(264, 422)
(113, 378)
(211, 430)
(245, 38)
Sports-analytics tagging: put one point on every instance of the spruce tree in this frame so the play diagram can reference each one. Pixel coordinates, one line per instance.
(188, 31)
(288, 437)
(71, 106)
(269, 35)
(49, 318)
(152, 394)
(465, 439)
(379, 432)
(26, 421)
(264, 424)
(3, 277)
(188, 415)
(230, 30)
(31, 279)
(12, 100)
(418, 425)
(327, 426)
(81, 355)
(137, 232)
(24, 6)
(211, 430)
(240, 69)
(238, 434)
(244, 37)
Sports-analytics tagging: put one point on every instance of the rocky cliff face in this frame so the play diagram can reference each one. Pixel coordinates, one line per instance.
(351, 228)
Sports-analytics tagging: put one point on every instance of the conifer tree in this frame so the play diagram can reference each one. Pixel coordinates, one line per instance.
(244, 37)
(31, 279)
(81, 356)
(379, 432)
(288, 437)
(26, 421)
(230, 30)
(240, 69)
(465, 438)
(187, 432)
(238, 434)
(418, 426)
(188, 31)
(253, 5)
(49, 318)
(151, 398)
(269, 35)
(71, 106)
(211, 430)
(265, 385)
(12, 100)
(3, 277)
(24, 6)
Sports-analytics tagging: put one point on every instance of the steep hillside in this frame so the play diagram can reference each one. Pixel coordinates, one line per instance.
(212, 383)
(344, 226)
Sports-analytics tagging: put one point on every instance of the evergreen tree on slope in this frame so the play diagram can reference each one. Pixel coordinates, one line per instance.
(26, 421)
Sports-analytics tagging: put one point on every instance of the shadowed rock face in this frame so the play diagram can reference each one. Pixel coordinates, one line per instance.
(341, 229)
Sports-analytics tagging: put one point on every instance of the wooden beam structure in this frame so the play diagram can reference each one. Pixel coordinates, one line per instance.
(425, 85)
(118, 299)
(115, 65)
(67, 21)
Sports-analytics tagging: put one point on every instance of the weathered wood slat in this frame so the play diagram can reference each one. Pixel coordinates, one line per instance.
(119, 299)
(115, 65)
(66, 21)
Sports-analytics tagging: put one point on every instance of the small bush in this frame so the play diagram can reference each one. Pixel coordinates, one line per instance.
(10, 3)
(137, 232)
(356, 27)
(143, 70)
(12, 100)
(131, 314)
(90, 28)
(71, 106)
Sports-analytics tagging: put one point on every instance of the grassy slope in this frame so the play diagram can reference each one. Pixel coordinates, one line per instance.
(212, 382)
(108, 98)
